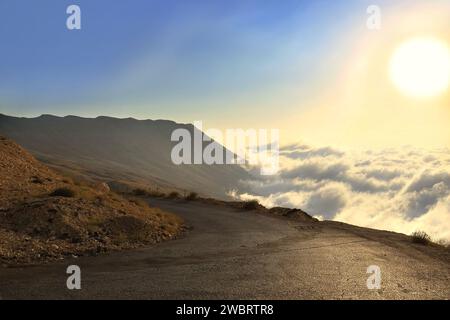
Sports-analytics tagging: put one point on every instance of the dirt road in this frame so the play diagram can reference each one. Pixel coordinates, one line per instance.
(231, 254)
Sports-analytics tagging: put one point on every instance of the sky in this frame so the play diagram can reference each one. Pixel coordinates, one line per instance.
(309, 68)
(155, 58)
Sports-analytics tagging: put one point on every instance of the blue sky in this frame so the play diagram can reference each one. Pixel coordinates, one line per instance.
(163, 58)
(310, 68)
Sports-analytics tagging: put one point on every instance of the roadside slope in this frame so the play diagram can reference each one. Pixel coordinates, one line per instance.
(44, 216)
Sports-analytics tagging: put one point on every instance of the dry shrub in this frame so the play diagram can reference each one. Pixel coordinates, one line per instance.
(63, 192)
(421, 237)
(250, 205)
(192, 196)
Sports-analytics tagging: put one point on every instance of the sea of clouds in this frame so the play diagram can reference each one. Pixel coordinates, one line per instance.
(403, 189)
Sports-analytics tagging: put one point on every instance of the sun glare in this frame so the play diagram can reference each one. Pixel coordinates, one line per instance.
(420, 67)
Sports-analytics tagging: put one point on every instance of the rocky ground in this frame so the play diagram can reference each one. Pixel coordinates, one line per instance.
(45, 216)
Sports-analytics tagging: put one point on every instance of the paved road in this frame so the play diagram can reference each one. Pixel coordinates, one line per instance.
(243, 255)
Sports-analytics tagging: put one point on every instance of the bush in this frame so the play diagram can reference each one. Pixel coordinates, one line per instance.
(173, 195)
(192, 196)
(156, 194)
(420, 237)
(250, 205)
(140, 192)
(37, 180)
(63, 192)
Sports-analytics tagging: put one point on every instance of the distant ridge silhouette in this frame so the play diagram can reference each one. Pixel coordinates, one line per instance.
(118, 150)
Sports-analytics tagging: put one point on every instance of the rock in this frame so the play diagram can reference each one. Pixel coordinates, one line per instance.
(103, 187)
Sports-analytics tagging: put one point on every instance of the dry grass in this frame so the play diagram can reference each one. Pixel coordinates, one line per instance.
(173, 195)
(63, 192)
(141, 192)
(192, 196)
(250, 205)
(421, 237)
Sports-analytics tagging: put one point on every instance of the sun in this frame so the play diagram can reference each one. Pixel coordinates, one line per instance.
(420, 67)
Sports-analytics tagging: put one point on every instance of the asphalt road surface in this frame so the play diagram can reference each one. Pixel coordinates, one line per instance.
(230, 254)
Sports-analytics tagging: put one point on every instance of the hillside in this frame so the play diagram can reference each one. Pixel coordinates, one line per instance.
(45, 216)
(119, 150)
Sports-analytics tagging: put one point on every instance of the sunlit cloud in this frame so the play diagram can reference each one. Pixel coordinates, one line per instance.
(399, 189)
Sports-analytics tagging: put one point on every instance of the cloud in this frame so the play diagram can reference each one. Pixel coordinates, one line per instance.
(320, 170)
(403, 189)
(317, 170)
(383, 173)
(421, 202)
(327, 201)
(304, 152)
(427, 180)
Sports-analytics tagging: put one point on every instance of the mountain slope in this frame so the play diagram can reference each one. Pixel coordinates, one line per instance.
(118, 149)
(45, 216)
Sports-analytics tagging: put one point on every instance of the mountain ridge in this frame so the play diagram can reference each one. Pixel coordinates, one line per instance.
(118, 150)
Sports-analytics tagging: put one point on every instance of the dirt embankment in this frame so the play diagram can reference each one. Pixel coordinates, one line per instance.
(45, 216)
